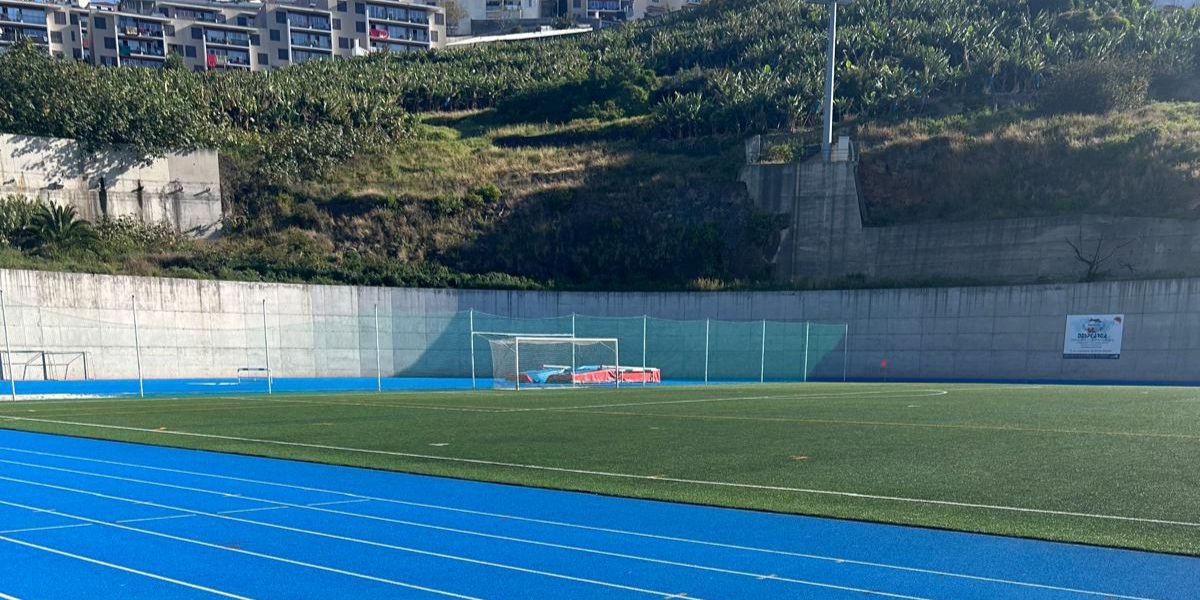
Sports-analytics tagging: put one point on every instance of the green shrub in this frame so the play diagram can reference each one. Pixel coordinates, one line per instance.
(16, 216)
(1096, 86)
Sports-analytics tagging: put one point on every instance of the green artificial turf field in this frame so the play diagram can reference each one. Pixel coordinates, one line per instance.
(1116, 466)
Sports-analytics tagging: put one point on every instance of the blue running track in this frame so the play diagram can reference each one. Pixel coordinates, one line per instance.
(92, 519)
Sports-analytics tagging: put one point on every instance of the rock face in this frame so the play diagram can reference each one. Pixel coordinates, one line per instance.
(825, 236)
(181, 189)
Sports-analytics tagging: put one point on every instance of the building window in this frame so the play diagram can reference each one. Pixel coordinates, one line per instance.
(101, 23)
(74, 19)
(433, 36)
(255, 40)
(274, 35)
(189, 51)
(280, 16)
(110, 43)
(344, 43)
(60, 18)
(360, 27)
(162, 10)
(169, 29)
(337, 23)
(283, 54)
(262, 59)
(439, 19)
(197, 33)
(360, 8)
(56, 37)
(176, 49)
(77, 54)
(108, 61)
(241, 20)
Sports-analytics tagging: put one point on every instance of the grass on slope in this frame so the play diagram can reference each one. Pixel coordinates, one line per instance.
(1121, 460)
(992, 165)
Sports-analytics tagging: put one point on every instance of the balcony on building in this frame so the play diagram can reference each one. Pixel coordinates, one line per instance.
(238, 38)
(608, 6)
(136, 27)
(397, 13)
(227, 58)
(12, 34)
(22, 13)
(391, 38)
(310, 21)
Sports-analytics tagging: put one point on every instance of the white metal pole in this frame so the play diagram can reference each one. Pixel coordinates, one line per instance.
(707, 322)
(517, 360)
(266, 347)
(137, 348)
(378, 360)
(573, 350)
(762, 358)
(827, 131)
(644, 320)
(845, 349)
(616, 357)
(471, 322)
(7, 366)
(807, 326)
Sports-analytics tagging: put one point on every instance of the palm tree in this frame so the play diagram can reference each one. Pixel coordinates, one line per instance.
(59, 227)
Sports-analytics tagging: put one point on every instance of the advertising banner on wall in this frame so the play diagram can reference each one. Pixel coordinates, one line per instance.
(1093, 336)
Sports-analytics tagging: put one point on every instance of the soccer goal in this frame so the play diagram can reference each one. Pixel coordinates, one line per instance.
(537, 361)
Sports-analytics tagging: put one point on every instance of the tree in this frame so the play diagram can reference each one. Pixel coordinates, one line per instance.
(455, 13)
(174, 62)
(58, 227)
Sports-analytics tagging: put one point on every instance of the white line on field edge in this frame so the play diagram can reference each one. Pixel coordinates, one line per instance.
(477, 461)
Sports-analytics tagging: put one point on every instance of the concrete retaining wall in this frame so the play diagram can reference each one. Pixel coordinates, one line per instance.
(183, 190)
(826, 238)
(210, 328)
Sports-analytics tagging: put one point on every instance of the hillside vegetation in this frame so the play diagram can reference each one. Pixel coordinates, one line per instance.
(605, 160)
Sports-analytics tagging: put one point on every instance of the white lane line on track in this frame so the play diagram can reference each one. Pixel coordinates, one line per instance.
(110, 565)
(167, 517)
(281, 559)
(757, 576)
(340, 538)
(4, 596)
(639, 534)
(752, 486)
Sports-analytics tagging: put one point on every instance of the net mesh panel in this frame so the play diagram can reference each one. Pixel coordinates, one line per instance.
(216, 340)
(536, 357)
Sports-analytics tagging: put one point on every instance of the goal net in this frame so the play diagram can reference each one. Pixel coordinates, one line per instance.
(520, 361)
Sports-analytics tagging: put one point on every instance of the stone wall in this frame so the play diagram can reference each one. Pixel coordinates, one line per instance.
(210, 328)
(183, 190)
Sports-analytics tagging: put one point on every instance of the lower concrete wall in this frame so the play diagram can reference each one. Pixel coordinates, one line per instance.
(210, 328)
(183, 190)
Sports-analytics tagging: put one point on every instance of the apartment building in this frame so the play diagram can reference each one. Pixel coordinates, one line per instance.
(222, 35)
(626, 10)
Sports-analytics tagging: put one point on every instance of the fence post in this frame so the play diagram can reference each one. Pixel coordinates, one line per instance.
(807, 326)
(266, 348)
(7, 365)
(378, 360)
(617, 358)
(707, 324)
(137, 348)
(762, 358)
(471, 323)
(845, 349)
(644, 320)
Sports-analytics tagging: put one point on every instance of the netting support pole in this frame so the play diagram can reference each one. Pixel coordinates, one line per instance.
(137, 348)
(378, 359)
(471, 324)
(807, 326)
(845, 349)
(616, 357)
(7, 364)
(762, 358)
(707, 324)
(266, 348)
(517, 363)
(573, 353)
(644, 320)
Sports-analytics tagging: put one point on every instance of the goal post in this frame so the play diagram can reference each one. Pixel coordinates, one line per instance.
(536, 361)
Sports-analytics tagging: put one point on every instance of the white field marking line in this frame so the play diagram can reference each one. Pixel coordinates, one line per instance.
(102, 563)
(912, 394)
(239, 551)
(342, 538)
(389, 405)
(166, 517)
(469, 532)
(639, 534)
(4, 596)
(965, 426)
(751, 486)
